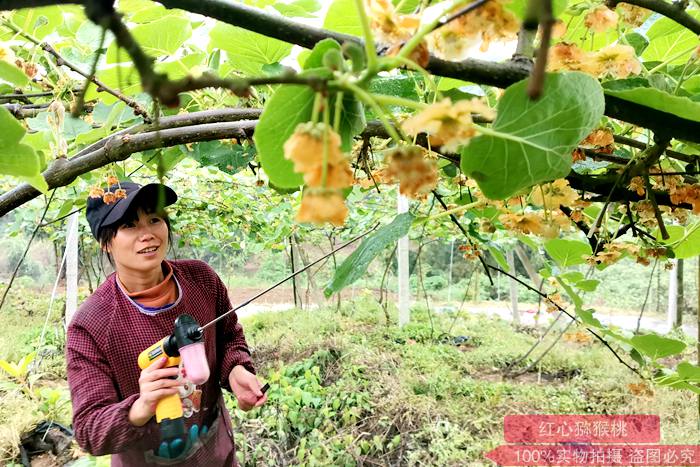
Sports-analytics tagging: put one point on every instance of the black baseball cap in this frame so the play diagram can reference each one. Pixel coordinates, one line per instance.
(101, 215)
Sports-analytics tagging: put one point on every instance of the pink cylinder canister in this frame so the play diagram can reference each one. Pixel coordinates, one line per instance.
(194, 359)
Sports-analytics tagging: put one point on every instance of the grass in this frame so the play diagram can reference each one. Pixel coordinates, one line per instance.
(345, 389)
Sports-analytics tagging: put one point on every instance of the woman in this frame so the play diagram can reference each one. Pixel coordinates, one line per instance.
(113, 400)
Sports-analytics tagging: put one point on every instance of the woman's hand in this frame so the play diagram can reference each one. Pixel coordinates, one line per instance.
(155, 383)
(246, 388)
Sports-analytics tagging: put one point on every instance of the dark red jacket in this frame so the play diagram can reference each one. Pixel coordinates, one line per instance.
(103, 343)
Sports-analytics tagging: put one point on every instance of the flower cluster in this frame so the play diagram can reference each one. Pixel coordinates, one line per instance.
(688, 194)
(417, 175)
(448, 124)
(492, 21)
(632, 15)
(601, 19)
(612, 252)
(108, 196)
(616, 60)
(470, 251)
(555, 194)
(307, 148)
(535, 223)
(388, 25)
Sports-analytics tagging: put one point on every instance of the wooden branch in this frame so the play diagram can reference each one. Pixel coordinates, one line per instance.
(639, 145)
(478, 71)
(119, 147)
(673, 11)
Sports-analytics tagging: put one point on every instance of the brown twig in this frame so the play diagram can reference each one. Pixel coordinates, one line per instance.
(657, 211)
(467, 9)
(546, 21)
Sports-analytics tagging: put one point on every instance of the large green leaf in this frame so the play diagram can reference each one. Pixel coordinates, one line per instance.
(39, 22)
(685, 241)
(356, 264)
(670, 41)
(656, 346)
(163, 36)
(567, 252)
(298, 8)
(17, 159)
(342, 17)
(640, 92)
(534, 138)
(247, 51)
(289, 106)
(12, 74)
(11, 131)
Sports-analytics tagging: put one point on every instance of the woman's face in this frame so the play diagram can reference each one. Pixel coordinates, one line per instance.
(140, 245)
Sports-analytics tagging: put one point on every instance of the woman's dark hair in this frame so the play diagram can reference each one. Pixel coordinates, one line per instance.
(107, 233)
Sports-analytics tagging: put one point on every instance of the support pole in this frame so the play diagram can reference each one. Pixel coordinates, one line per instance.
(672, 295)
(513, 288)
(402, 258)
(72, 241)
(449, 279)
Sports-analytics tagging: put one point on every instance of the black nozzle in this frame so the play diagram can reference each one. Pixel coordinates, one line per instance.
(187, 331)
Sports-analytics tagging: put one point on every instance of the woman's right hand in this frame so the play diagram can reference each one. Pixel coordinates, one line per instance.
(155, 383)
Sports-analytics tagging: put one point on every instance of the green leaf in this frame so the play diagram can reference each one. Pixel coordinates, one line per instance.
(638, 42)
(342, 17)
(567, 252)
(356, 264)
(685, 241)
(587, 285)
(288, 106)
(39, 22)
(533, 139)
(163, 36)
(11, 131)
(499, 257)
(19, 160)
(400, 85)
(688, 371)
(229, 158)
(298, 8)
(247, 51)
(670, 41)
(656, 346)
(315, 57)
(587, 318)
(352, 120)
(12, 74)
(633, 90)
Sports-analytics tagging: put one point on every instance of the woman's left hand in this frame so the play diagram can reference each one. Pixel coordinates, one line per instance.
(246, 387)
